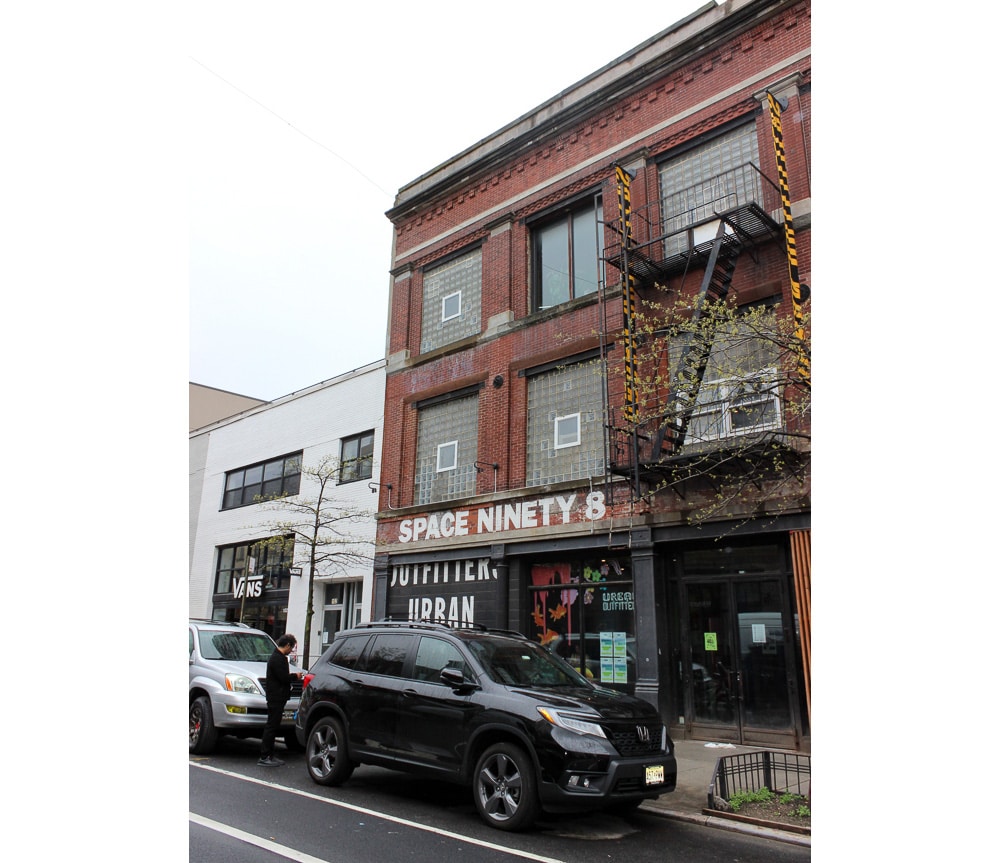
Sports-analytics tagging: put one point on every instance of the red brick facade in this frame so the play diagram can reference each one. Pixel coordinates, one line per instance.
(680, 87)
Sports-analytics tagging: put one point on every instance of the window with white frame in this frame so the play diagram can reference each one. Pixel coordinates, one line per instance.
(447, 444)
(565, 422)
(452, 300)
(451, 306)
(566, 253)
(740, 388)
(567, 431)
(447, 456)
(736, 406)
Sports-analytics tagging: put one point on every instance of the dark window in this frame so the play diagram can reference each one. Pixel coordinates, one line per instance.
(433, 656)
(567, 252)
(356, 457)
(388, 654)
(263, 481)
(349, 651)
(267, 560)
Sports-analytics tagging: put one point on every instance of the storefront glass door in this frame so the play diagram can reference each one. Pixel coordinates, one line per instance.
(738, 683)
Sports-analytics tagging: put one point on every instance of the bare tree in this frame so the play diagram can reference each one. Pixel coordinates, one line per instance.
(324, 530)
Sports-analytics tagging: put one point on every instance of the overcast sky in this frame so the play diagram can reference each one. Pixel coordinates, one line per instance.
(306, 118)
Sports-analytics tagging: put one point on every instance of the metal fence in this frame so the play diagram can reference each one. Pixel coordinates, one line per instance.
(779, 772)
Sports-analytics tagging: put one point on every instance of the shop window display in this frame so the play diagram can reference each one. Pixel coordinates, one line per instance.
(584, 612)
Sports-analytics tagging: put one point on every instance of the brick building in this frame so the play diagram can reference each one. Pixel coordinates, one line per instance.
(597, 387)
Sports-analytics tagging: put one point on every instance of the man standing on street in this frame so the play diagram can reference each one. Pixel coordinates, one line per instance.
(278, 689)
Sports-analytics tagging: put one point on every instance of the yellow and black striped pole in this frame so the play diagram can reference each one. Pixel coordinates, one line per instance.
(803, 365)
(628, 289)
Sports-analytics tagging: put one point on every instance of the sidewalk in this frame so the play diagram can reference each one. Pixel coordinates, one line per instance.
(696, 761)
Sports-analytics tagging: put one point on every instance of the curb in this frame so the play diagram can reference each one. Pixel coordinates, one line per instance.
(733, 826)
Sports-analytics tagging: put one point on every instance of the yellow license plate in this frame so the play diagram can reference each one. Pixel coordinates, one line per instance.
(654, 775)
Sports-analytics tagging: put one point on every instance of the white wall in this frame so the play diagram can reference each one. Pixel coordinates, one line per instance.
(313, 420)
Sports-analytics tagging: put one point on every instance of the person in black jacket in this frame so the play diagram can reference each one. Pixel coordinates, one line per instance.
(278, 689)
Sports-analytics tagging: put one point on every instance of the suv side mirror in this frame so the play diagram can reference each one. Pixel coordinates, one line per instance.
(456, 680)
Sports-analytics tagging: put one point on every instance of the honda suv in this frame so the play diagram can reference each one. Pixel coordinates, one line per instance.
(226, 684)
(484, 708)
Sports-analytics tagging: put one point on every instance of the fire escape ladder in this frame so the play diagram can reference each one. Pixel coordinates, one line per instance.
(694, 358)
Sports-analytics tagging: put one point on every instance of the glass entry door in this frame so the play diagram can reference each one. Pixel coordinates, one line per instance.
(738, 686)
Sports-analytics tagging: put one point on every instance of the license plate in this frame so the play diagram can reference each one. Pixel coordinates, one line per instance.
(654, 775)
(288, 715)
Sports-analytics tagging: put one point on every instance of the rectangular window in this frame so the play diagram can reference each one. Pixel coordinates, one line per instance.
(739, 392)
(447, 446)
(356, 455)
(566, 251)
(263, 481)
(266, 560)
(731, 407)
(447, 456)
(451, 306)
(566, 433)
(717, 176)
(452, 301)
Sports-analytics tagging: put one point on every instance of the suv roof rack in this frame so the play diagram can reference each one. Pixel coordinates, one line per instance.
(440, 625)
(237, 623)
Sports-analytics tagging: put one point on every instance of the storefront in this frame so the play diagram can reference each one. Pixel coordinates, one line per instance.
(706, 629)
(252, 581)
(736, 643)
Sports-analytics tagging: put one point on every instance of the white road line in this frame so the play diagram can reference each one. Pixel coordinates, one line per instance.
(266, 844)
(527, 855)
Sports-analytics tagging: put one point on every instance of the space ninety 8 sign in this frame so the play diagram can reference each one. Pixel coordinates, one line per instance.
(520, 515)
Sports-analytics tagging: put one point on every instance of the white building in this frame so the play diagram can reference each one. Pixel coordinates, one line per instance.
(233, 575)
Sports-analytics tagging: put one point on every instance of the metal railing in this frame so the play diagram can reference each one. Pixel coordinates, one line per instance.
(779, 772)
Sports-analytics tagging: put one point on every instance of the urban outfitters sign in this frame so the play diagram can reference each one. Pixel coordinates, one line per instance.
(504, 517)
(444, 590)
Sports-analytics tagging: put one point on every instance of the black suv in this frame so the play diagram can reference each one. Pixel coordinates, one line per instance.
(485, 708)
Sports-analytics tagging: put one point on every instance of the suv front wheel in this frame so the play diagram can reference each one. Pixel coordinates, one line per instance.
(326, 753)
(504, 790)
(202, 733)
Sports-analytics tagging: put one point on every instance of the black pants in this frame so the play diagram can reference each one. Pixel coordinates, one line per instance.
(274, 711)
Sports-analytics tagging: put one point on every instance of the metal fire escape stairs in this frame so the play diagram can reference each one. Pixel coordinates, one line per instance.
(653, 448)
(722, 257)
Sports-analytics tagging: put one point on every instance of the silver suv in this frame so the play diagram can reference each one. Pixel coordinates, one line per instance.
(226, 685)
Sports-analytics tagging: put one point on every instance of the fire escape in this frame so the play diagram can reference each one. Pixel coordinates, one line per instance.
(705, 229)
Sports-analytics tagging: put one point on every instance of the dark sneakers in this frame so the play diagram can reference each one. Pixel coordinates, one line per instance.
(270, 761)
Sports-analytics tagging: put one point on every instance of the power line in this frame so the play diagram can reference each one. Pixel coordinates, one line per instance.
(354, 168)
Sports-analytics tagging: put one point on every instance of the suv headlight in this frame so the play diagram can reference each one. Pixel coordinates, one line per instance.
(242, 683)
(572, 723)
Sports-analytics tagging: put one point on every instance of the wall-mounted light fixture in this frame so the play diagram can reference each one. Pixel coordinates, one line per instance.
(375, 486)
(492, 464)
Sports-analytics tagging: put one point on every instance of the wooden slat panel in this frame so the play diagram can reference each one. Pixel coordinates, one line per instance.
(802, 568)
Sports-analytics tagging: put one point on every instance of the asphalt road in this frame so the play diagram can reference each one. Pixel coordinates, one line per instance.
(241, 812)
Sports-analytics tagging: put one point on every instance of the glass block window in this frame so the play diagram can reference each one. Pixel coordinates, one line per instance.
(717, 176)
(566, 436)
(447, 442)
(452, 301)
